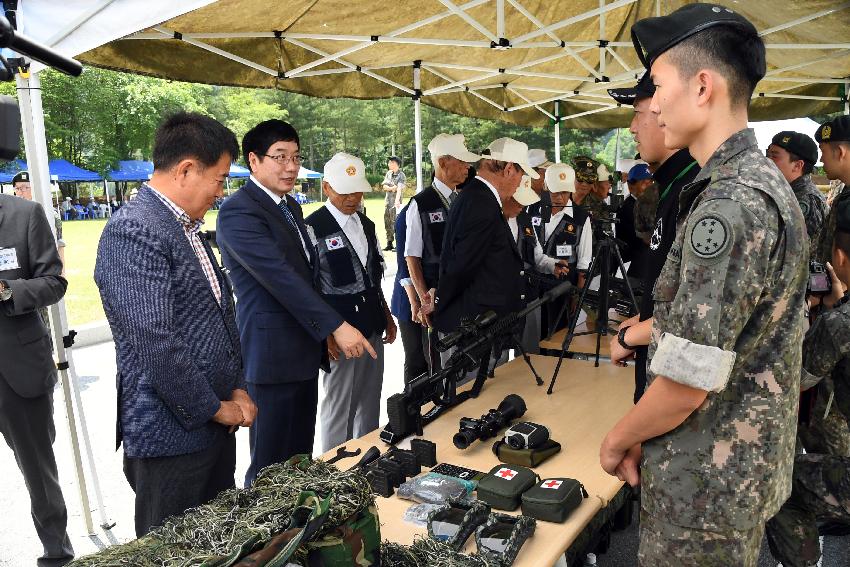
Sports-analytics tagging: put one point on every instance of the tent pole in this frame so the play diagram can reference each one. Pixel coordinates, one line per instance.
(847, 97)
(32, 120)
(417, 121)
(557, 132)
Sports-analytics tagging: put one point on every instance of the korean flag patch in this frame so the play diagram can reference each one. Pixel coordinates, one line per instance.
(535, 221)
(436, 216)
(334, 243)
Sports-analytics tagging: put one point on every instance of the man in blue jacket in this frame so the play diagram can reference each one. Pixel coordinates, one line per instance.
(181, 390)
(283, 321)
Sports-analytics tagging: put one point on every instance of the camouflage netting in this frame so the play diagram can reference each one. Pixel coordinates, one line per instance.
(240, 521)
(426, 552)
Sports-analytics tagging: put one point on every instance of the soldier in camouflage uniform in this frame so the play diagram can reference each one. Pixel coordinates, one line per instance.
(821, 488)
(585, 169)
(717, 420)
(645, 209)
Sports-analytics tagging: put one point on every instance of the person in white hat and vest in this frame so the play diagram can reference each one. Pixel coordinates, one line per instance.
(427, 215)
(568, 234)
(480, 266)
(350, 268)
(534, 260)
(537, 159)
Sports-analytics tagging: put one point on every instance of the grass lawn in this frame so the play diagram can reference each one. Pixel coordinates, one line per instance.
(81, 237)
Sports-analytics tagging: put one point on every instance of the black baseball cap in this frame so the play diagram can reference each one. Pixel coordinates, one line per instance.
(837, 130)
(643, 89)
(798, 144)
(653, 36)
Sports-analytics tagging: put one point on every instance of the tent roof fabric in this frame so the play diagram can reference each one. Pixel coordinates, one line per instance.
(64, 170)
(474, 59)
(131, 170)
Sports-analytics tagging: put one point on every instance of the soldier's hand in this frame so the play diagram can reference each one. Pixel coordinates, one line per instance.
(351, 342)
(610, 457)
(629, 468)
(838, 288)
(629, 322)
(620, 355)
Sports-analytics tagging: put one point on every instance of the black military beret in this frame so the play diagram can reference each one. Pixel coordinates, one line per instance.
(21, 177)
(837, 130)
(798, 144)
(644, 89)
(654, 36)
(842, 215)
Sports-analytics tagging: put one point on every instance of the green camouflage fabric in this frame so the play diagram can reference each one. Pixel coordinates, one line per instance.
(826, 366)
(821, 493)
(663, 544)
(427, 552)
(596, 206)
(812, 204)
(355, 543)
(645, 210)
(523, 529)
(731, 291)
(476, 514)
(822, 252)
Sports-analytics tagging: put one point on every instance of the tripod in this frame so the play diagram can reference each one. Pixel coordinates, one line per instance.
(606, 250)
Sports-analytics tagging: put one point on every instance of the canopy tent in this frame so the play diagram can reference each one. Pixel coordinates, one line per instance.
(60, 170)
(530, 62)
(131, 170)
(305, 173)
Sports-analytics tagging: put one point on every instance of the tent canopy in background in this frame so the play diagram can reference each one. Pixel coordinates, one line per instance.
(131, 170)
(60, 170)
(503, 59)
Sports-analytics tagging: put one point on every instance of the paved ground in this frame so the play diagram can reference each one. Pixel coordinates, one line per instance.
(96, 371)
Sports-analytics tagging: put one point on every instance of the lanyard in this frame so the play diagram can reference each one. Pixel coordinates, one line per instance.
(678, 177)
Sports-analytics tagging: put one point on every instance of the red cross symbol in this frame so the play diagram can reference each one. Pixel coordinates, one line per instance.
(553, 484)
(507, 474)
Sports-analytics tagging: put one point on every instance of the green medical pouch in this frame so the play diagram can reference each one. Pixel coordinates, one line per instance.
(553, 499)
(525, 457)
(503, 486)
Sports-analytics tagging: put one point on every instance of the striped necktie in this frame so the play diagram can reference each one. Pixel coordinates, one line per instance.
(287, 213)
(452, 198)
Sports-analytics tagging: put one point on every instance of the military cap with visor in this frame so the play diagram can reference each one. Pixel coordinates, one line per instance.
(798, 144)
(585, 169)
(653, 36)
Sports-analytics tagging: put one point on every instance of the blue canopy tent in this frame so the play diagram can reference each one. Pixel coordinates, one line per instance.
(131, 170)
(11, 169)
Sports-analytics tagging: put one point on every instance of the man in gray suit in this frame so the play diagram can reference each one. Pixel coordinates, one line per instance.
(30, 279)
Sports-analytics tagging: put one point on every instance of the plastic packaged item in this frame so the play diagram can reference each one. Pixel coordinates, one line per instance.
(433, 488)
(418, 513)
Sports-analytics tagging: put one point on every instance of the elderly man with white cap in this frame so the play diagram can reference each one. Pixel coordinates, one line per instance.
(537, 159)
(480, 265)
(533, 258)
(427, 215)
(350, 268)
(568, 234)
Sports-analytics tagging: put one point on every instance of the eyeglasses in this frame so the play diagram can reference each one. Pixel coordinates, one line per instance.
(283, 160)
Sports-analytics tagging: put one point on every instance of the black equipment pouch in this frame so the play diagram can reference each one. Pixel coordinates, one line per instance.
(525, 457)
(554, 499)
(503, 486)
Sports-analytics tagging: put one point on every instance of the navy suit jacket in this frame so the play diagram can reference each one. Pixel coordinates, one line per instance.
(177, 349)
(399, 303)
(282, 319)
(480, 265)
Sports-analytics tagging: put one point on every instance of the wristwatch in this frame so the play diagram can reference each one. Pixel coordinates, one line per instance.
(621, 338)
(5, 291)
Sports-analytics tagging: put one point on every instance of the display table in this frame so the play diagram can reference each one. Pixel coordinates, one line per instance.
(586, 403)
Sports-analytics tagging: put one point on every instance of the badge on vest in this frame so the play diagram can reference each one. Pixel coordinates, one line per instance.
(334, 243)
(564, 250)
(535, 221)
(529, 232)
(571, 228)
(436, 216)
(8, 259)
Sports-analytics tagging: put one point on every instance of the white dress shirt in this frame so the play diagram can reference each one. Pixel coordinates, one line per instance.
(353, 229)
(585, 243)
(544, 264)
(277, 201)
(413, 236)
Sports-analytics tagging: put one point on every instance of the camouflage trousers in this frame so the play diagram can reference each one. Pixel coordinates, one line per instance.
(828, 435)
(821, 492)
(390, 215)
(665, 545)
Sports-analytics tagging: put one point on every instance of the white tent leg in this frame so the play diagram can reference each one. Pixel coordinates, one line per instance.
(417, 123)
(32, 120)
(557, 132)
(847, 98)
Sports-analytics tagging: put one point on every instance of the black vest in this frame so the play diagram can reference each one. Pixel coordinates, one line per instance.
(526, 243)
(567, 233)
(353, 290)
(433, 215)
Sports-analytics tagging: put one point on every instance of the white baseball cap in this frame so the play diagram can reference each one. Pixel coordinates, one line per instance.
(602, 173)
(512, 151)
(525, 195)
(346, 174)
(560, 177)
(451, 145)
(537, 158)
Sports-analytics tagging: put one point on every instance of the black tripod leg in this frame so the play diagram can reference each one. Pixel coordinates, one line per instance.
(626, 278)
(527, 360)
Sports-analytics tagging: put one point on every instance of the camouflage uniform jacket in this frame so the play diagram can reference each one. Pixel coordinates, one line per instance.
(826, 352)
(729, 320)
(596, 206)
(812, 204)
(645, 209)
(822, 252)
